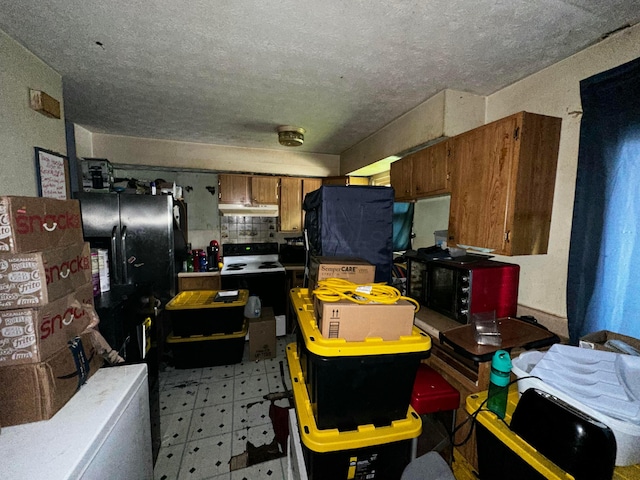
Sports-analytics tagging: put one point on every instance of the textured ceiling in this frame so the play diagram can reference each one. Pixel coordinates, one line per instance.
(230, 72)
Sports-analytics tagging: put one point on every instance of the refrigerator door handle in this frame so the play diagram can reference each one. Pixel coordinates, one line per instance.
(123, 252)
(114, 250)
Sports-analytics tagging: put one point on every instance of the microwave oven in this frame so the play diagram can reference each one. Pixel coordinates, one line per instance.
(461, 287)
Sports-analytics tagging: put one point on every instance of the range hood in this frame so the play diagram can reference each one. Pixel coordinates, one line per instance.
(228, 209)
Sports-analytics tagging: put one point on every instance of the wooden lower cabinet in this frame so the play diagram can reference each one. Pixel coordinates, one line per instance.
(198, 281)
(467, 379)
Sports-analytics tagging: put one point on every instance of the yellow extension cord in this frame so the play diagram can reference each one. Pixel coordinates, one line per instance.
(334, 289)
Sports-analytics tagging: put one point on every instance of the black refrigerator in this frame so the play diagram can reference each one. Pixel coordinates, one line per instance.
(353, 221)
(145, 236)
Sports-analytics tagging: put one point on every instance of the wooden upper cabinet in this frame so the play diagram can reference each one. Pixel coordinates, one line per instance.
(502, 184)
(430, 171)
(264, 190)
(310, 185)
(291, 204)
(422, 174)
(345, 181)
(400, 174)
(234, 189)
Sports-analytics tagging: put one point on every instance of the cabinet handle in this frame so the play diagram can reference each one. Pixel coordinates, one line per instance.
(506, 236)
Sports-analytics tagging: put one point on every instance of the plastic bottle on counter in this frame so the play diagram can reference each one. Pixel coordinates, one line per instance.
(499, 383)
(189, 260)
(253, 308)
(196, 260)
(203, 263)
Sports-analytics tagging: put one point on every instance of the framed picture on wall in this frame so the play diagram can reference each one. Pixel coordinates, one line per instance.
(52, 171)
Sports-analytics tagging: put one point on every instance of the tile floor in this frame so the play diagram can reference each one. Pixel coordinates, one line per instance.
(209, 414)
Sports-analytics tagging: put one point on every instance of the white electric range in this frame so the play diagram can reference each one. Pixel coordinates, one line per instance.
(255, 267)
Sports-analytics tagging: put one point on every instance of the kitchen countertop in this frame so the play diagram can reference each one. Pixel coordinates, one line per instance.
(432, 322)
(199, 274)
(291, 267)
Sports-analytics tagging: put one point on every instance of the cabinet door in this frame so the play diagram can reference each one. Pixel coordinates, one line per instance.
(234, 189)
(290, 204)
(264, 190)
(345, 181)
(481, 184)
(400, 174)
(502, 184)
(309, 185)
(430, 171)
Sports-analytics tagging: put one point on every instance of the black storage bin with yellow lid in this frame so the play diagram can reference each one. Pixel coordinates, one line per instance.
(356, 383)
(207, 312)
(374, 453)
(541, 437)
(208, 350)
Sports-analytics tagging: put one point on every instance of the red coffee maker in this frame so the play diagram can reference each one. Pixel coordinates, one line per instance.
(213, 256)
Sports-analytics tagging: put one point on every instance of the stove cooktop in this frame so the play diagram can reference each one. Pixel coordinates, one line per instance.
(244, 258)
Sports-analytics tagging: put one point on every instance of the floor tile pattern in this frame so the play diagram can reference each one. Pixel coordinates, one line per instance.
(209, 414)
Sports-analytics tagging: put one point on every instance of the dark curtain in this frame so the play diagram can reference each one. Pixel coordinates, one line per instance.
(603, 292)
(402, 226)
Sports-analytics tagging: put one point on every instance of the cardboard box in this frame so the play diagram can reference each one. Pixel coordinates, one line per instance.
(31, 335)
(33, 224)
(356, 270)
(30, 393)
(262, 336)
(355, 322)
(597, 340)
(36, 279)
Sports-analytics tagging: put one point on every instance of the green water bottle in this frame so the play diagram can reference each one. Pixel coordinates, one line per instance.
(499, 383)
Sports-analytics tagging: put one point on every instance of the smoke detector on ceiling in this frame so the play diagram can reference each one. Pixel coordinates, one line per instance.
(291, 136)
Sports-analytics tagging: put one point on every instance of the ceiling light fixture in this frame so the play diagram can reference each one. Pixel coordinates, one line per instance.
(291, 136)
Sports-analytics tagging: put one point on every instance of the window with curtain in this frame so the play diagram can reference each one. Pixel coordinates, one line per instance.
(402, 226)
(603, 287)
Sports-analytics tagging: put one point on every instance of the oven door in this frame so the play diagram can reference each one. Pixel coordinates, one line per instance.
(270, 287)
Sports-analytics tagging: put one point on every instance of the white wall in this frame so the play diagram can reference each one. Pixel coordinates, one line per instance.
(556, 91)
(22, 129)
(447, 113)
(84, 142)
(171, 154)
(429, 215)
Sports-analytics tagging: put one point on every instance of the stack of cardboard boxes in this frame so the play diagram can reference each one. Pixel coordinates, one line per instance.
(46, 296)
(352, 321)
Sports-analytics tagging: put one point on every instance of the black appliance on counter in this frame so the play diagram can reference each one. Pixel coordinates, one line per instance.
(255, 267)
(353, 221)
